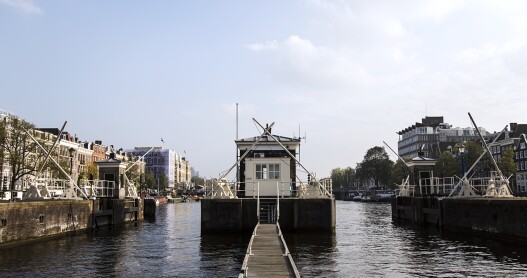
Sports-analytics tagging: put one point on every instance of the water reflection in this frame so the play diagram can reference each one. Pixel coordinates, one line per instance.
(222, 255)
(314, 253)
(365, 243)
(168, 246)
(370, 243)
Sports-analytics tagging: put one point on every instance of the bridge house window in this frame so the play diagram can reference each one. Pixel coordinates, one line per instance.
(267, 171)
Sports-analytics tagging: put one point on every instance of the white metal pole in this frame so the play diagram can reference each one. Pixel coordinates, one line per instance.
(258, 201)
(237, 155)
(57, 164)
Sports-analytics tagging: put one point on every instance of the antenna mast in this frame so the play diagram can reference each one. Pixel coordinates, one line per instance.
(237, 155)
(236, 121)
(300, 139)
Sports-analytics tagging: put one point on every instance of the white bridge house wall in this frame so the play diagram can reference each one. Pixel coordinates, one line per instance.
(267, 187)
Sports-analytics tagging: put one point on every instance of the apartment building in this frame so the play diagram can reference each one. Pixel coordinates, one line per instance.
(433, 136)
(183, 169)
(520, 157)
(159, 162)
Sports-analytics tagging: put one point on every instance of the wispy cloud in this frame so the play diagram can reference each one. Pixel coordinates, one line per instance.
(270, 45)
(27, 6)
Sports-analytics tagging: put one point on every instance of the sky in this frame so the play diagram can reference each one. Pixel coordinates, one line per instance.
(348, 74)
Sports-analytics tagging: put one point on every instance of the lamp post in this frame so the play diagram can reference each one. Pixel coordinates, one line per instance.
(71, 150)
(462, 153)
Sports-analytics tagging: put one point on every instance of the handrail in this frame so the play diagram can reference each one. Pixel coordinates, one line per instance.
(98, 188)
(56, 188)
(286, 251)
(283, 189)
(244, 272)
(277, 204)
(446, 186)
(258, 203)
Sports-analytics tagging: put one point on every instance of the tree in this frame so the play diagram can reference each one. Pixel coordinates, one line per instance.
(343, 177)
(64, 164)
(377, 165)
(473, 151)
(507, 164)
(134, 174)
(163, 182)
(18, 148)
(399, 172)
(197, 180)
(351, 177)
(446, 165)
(150, 181)
(359, 175)
(93, 171)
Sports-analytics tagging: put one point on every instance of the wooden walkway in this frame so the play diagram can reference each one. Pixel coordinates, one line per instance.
(267, 254)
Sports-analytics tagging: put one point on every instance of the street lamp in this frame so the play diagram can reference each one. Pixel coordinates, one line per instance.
(71, 150)
(462, 153)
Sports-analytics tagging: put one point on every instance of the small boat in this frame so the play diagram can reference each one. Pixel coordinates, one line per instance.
(189, 198)
(160, 200)
(194, 198)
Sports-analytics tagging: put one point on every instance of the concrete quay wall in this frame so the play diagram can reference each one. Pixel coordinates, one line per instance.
(109, 212)
(418, 210)
(502, 218)
(28, 220)
(238, 215)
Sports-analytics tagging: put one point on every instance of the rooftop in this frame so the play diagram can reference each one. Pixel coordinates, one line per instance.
(268, 138)
(426, 121)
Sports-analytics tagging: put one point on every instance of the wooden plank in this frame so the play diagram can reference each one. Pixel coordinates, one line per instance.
(268, 256)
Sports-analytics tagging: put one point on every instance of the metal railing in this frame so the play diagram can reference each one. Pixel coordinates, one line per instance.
(443, 186)
(436, 186)
(54, 187)
(98, 188)
(244, 272)
(301, 189)
(286, 252)
(58, 188)
(226, 189)
(320, 189)
(277, 204)
(258, 203)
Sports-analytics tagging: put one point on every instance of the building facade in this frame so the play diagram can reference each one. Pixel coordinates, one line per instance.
(98, 150)
(183, 170)
(159, 162)
(520, 157)
(4, 165)
(433, 136)
(507, 140)
(267, 165)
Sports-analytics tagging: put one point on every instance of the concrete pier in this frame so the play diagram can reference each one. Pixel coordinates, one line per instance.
(267, 254)
(240, 214)
(150, 208)
(502, 218)
(27, 220)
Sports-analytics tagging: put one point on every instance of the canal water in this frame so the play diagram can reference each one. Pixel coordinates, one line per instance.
(365, 244)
